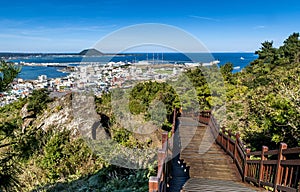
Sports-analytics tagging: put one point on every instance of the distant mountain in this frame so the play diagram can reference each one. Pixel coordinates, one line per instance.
(91, 52)
(85, 52)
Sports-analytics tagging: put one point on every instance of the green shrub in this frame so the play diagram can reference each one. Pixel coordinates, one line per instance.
(38, 100)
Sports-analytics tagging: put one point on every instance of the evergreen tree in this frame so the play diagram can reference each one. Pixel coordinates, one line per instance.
(291, 49)
(8, 165)
(8, 71)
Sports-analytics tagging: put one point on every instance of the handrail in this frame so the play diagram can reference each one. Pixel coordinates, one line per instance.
(279, 169)
(282, 172)
(159, 182)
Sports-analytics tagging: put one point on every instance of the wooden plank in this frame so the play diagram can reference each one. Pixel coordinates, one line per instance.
(253, 161)
(240, 151)
(295, 162)
(251, 179)
(240, 169)
(294, 150)
(255, 153)
(263, 183)
(241, 144)
(201, 184)
(287, 189)
(270, 162)
(272, 152)
(230, 154)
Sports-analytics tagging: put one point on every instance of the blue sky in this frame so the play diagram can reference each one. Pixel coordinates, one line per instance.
(70, 26)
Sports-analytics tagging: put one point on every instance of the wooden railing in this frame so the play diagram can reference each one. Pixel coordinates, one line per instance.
(204, 117)
(278, 169)
(159, 182)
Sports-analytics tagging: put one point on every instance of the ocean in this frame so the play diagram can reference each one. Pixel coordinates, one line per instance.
(239, 60)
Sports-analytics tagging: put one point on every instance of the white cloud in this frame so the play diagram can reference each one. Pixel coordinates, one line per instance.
(260, 27)
(204, 18)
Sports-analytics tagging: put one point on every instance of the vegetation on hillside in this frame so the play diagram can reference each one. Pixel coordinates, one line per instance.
(263, 100)
(56, 159)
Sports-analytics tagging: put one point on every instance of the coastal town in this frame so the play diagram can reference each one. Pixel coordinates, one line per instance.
(96, 77)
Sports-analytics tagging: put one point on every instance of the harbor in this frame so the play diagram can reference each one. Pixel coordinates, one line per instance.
(62, 75)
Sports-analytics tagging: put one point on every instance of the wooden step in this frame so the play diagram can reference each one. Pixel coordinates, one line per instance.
(203, 184)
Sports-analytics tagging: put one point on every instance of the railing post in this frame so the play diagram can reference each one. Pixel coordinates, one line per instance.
(173, 123)
(161, 160)
(164, 139)
(218, 135)
(277, 180)
(261, 167)
(237, 136)
(153, 184)
(246, 164)
(228, 141)
(223, 137)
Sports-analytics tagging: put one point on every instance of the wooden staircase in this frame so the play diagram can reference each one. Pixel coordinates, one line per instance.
(205, 157)
(211, 169)
(203, 154)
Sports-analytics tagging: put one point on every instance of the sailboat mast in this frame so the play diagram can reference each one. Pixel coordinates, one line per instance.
(153, 58)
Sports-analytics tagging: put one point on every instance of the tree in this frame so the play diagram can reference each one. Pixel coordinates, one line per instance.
(8, 71)
(291, 48)
(267, 52)
(226, 71)
(8, 165)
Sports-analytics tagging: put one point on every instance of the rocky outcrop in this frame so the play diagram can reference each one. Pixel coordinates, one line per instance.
(27, 116)
(57, 115)
(69, 112)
